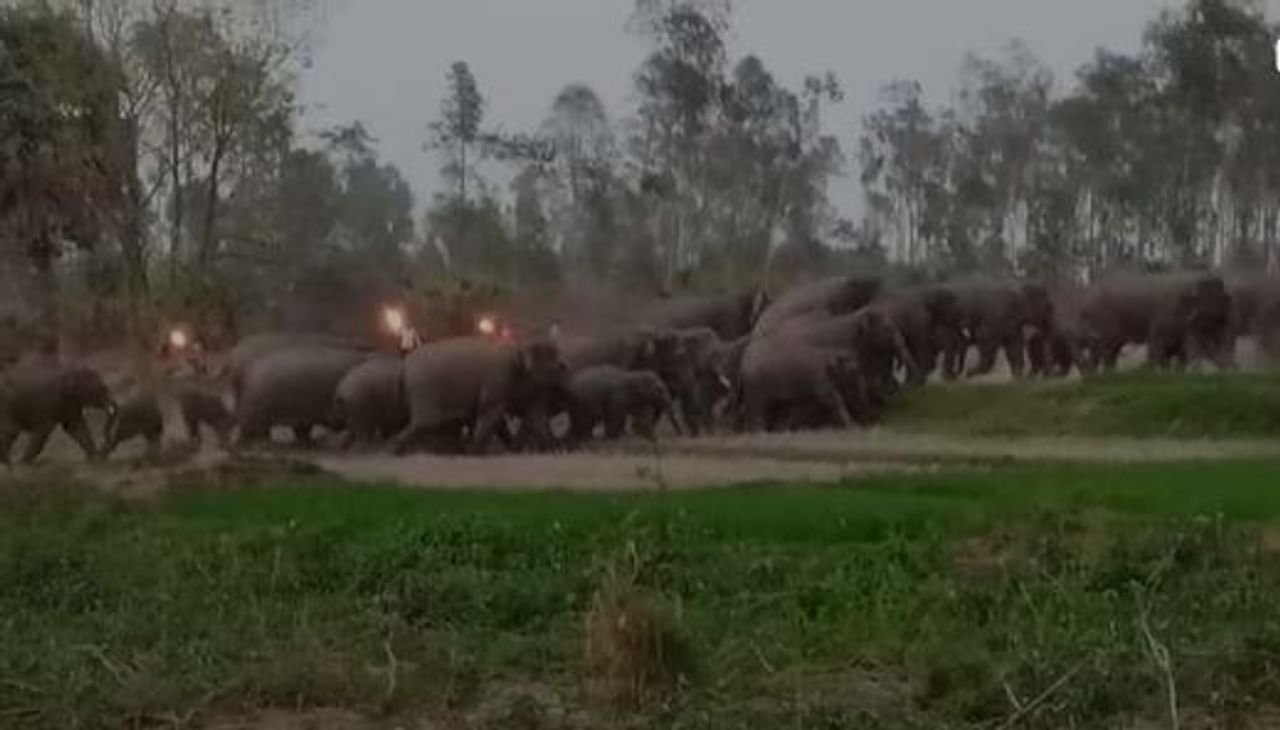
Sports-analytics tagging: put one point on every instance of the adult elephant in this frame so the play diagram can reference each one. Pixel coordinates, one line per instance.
(930, 320)
(369, 404)
(729, 316)
(1255, 302)
(793, 382)
(831, 297)
(471, 384)
(1180, 317)
(1068, 344)
(253, 347)
(36, 400)
(868, 334)
(292, 386)
(996, 314)
(698, 397)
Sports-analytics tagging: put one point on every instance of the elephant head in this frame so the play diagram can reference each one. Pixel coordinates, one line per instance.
(653, 399)
(878, 341)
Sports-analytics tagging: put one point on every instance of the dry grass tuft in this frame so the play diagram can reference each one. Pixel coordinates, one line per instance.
(635, 648)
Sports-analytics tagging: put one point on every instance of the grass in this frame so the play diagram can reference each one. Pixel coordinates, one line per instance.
(926, 601)
(1135, 404)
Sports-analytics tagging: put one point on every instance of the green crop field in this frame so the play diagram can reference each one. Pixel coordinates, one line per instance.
(1046, 596)
(1133, 404)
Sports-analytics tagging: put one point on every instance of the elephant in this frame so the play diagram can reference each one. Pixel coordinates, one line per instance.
(930, 320)
(292, 386)
(369, 401)
(615, 397)
(869, 334)
(201, 404)
(37, 400)
(1067, 344)
(792, 382)
(1181, 317)
(831, 296)
(637, 348)
(729, 316)
(473, 383)
(995, 314)
(1255, 302)
(137, 416)
(698, 398)
(252, 347)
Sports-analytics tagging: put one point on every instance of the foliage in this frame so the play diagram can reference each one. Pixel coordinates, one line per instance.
(939, 600)
(1143, 160)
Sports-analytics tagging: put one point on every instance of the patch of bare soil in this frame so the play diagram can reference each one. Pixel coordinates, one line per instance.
(624, 470)
(885, 445)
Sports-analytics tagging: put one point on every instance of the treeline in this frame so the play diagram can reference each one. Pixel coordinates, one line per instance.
(153, 164)
(1167, 157)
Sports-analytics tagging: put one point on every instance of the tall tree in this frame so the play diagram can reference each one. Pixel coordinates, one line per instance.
(458, 130)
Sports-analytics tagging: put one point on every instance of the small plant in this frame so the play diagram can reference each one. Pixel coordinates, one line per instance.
(634, 647)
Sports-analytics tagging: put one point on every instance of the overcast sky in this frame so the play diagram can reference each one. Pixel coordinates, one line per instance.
(384, 61)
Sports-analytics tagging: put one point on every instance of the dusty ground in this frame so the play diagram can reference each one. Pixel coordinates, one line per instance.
(677, 464)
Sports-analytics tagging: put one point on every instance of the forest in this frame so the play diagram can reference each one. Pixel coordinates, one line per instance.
(157, 165)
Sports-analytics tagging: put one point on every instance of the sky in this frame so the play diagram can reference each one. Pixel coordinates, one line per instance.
(384, 61)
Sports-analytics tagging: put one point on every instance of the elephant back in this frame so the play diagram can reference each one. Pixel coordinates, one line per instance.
(831, 296)
(445, 381)
(294, 384)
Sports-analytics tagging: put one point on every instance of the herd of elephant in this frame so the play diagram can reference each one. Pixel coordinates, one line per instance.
(828, 353)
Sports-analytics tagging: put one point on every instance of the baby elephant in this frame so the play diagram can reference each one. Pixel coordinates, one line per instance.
(137, 416)
(202, 405)
(613, 396)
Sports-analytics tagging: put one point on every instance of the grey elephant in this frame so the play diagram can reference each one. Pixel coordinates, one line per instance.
(36, 400)
(615, 397)
(470, 385)
(996, 315)
(369, 401)
(1068, 344)
(1255, 302)
(869, 335)
(201, 406)
(930, 320)
(660, 351)
(698, 397)
(729, 316)
(1181, 317)
(831, 297)
(252, 347)
(793, 382)
(137, 416)
(292, 387)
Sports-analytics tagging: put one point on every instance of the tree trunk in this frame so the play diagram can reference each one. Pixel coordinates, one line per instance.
(208, 237)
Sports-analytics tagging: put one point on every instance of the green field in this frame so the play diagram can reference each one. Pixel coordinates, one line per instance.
(945, 600)
(1134, 404)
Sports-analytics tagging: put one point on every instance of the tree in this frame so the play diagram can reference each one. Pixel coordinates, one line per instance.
(61, 139)
(458, 130)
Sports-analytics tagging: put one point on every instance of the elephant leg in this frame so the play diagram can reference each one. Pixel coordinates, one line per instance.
(483, 429)
(1015, 353)
(988, 348)
(79, 432)
(153, 447)
(193, 428)
(407, 439)
(615, 425)
(753, 414)
(302, 437)
(35, 443)
(8, 434)
(829, 397)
